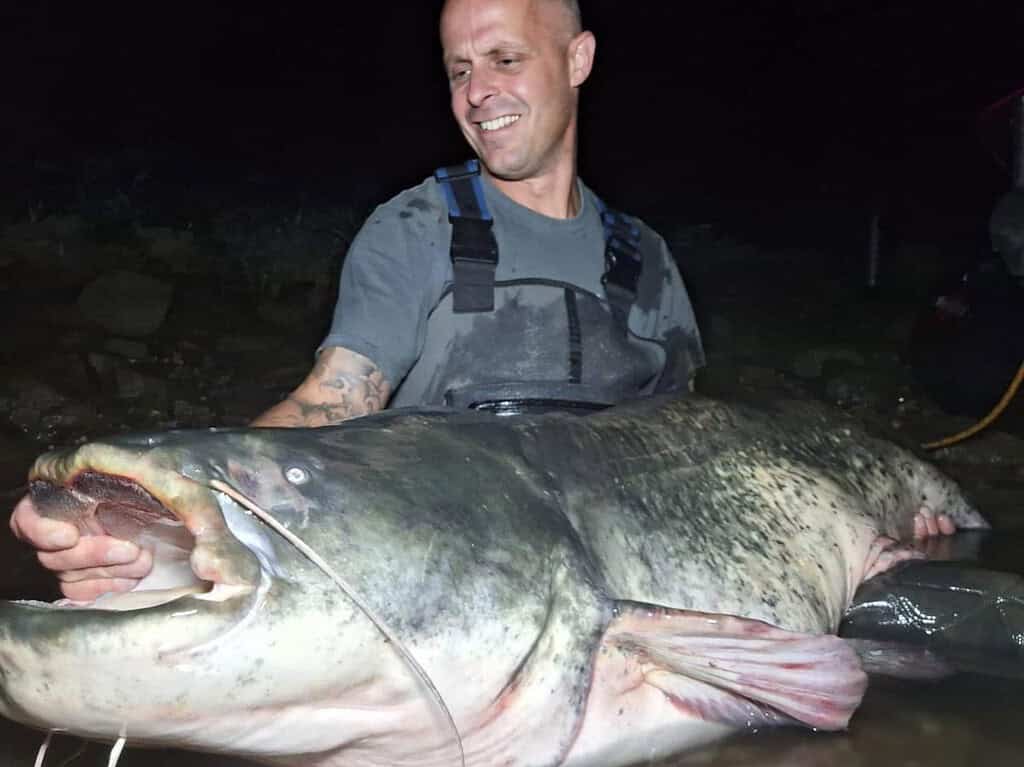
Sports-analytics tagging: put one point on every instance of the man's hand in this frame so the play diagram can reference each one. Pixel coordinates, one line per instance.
(933, 534)
(87, 565)
(342, 385)
(928, 524)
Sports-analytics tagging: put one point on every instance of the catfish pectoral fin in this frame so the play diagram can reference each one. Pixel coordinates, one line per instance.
(771, 675)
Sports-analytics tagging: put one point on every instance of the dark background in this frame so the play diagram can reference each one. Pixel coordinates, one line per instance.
(698, 108)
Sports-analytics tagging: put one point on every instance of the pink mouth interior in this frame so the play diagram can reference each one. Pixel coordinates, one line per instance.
(105, 504)
(101, 504)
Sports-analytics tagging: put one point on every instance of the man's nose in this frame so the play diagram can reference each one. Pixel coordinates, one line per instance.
(482, 86)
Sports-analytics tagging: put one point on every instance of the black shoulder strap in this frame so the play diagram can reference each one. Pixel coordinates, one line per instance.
(623, 261)
(474, 251)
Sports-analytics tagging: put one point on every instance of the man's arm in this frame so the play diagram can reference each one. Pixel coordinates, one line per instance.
(343, 384)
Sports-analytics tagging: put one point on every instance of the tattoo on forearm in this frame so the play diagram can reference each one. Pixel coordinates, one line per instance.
(346, 390)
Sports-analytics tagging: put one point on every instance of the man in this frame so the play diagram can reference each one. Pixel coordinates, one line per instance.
(559, 317)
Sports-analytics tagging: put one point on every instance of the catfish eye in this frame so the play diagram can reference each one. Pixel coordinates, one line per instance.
(296, 475)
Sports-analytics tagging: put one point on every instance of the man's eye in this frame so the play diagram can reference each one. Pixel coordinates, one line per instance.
(458, 75)
(508, 62)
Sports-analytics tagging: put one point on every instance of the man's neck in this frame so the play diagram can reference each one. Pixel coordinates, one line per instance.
(555, 195)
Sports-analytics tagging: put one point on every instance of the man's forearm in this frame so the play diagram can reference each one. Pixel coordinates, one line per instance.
(295, 412)
(343, 385)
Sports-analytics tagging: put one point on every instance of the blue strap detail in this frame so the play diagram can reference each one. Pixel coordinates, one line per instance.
(453, 181)
(474, 251)
(623, 260)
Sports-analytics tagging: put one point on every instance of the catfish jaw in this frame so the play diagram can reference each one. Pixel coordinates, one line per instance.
(141, 496)
(124, 661)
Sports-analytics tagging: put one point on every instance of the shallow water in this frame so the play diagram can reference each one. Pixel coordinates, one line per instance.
(960, 722)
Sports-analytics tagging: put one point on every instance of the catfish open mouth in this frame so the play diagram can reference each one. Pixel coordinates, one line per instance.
(177, 519)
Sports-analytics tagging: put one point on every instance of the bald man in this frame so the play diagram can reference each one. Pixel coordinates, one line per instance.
(506, 281)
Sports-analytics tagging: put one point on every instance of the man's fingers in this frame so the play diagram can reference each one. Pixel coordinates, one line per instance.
(87, 591)
(925, 525)
(946, 525)
(131, 571)
(40, 532)
(93, 552)
(88, 566)
(929, 525)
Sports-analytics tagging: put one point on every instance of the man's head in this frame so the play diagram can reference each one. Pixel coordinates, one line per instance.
(514, 67)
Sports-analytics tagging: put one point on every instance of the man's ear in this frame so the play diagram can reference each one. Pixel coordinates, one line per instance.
(581, 57)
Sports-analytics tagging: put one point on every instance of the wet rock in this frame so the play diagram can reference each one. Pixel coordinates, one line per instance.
(730, 380)
(241, 344)
(130, 384)
(850, 386)
(16, 455)
(147, 391)
(26, 418)
(845, 392)
(296, 305)
(126, 303)
(182, 372)
(191, 415)
(176, 248)
(810, 363)
(122, 347)
(31, 394)
(183, 355)
(989, 447)
(54, 227)
(103, 367)
(717, 331)
(69, 369)
(73, 418)
(72, 339)
(899, 329)
(51, 240)
(274, 245)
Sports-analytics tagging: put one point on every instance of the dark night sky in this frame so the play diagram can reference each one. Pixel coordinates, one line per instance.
(733, 97)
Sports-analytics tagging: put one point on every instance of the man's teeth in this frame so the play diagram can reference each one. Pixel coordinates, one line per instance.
(498, 122)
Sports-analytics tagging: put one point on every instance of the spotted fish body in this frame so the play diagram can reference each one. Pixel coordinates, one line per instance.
(595, 590)
(763, 513)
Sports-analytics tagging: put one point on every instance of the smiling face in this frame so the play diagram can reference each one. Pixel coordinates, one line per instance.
(514, 67)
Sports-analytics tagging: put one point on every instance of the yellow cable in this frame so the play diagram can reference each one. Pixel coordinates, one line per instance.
(993, 415)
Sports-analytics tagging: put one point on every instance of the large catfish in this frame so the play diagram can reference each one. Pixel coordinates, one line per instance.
(540, 590)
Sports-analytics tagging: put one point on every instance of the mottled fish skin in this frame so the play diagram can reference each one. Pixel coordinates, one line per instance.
(762, 512)
(499, 551)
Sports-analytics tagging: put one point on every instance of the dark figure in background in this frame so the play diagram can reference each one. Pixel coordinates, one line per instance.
(967, 344)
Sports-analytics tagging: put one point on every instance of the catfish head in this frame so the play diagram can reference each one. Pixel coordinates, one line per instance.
(236, 642)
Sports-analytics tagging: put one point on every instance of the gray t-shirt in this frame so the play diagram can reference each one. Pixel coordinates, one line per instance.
(399, 266)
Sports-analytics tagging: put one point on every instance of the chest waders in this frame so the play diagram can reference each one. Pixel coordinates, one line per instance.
(530, 344)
